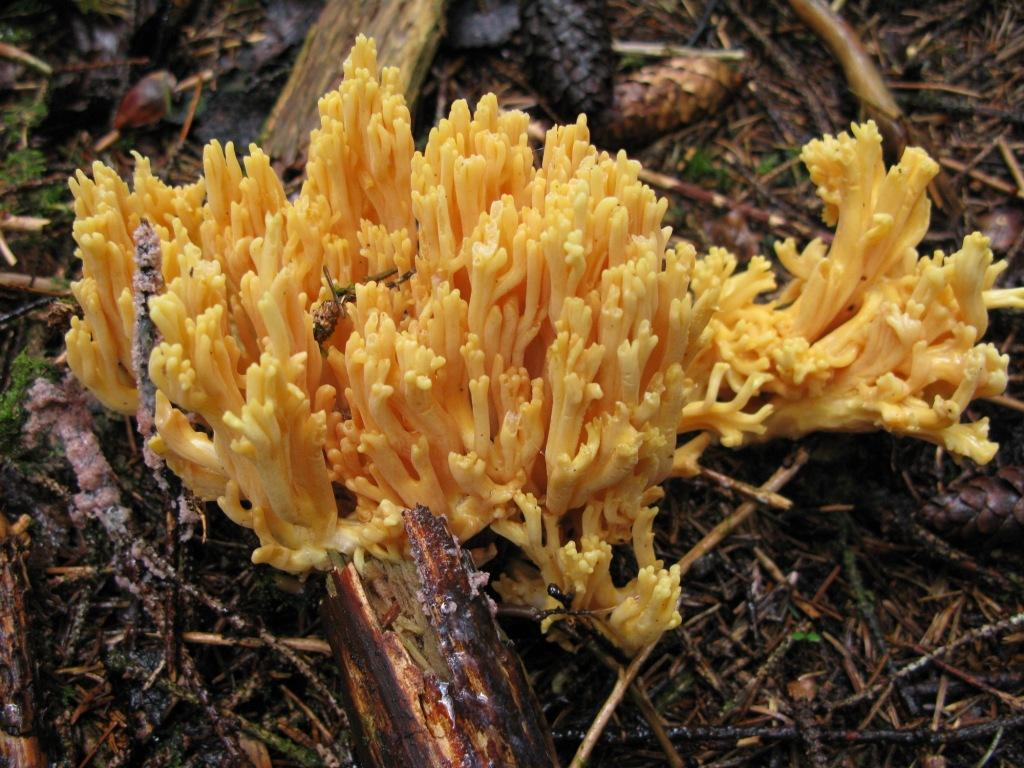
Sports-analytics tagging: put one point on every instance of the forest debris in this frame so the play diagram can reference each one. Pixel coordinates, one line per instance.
(761, 496)
(1011, 162)
(49, 285)
(1002, 226)
(985, 178)
(844, 737)
(714, 537)
(624, 679)
(671, 50)
(19, 742)
(869, 87)
(983, 508)
(14, 53)
(61, 409)
(23, 223)
(717, 200)
(810, 91)
(929, 656)
(858, 66)
(147, 281)
(146, 102)
(256, 751)
(660, 98)
(304, 644)
(6, 252)
(482, 23)
(732, 231)
(427, 676)
(407, 34)
(568, 51)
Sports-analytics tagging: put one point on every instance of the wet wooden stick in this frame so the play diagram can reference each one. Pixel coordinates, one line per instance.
(427, 678)
(19, 744)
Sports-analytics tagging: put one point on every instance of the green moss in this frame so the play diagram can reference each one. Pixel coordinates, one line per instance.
(21, 166)
(798, 170)
(702, 168)
(26, 113)
(24, 370)
(768, 162)
(117, 8)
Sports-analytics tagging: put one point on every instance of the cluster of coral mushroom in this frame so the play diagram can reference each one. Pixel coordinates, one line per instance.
(536, 372)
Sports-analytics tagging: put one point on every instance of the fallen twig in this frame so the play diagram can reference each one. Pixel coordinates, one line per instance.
(665, 50)
(593, 735)
(923, 735)
(1007, 402)
(1011, 163)
(1011, 701)
(773, 660)
(304, 644)
(768, 498)
(5, 250)
(14, 53)
(980, 633)
(714, 537)
(23, 223)
(985, 178)
(420, 653)
(47, 285)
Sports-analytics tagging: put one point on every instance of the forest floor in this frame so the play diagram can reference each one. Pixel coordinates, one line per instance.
(840, 631)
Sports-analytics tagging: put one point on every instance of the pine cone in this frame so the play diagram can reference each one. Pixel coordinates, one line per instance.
(569, 52)
(984, 508)
(660, 98)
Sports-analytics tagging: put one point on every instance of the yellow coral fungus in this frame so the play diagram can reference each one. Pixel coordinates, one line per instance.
(867, 334)
(532, 371)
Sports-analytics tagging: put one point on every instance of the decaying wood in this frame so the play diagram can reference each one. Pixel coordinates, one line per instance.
(19, 744)
(407, 34)
(428, 678)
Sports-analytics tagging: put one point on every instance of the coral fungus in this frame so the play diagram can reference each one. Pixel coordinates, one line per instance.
(534, 373)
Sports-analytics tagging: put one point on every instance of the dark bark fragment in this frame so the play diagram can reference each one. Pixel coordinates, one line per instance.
(19, 744)
(428, 678)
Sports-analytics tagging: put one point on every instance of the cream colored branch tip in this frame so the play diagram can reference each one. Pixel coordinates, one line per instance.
(550, 362)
